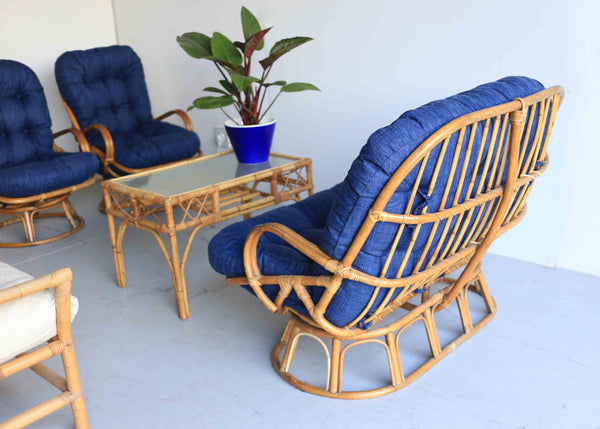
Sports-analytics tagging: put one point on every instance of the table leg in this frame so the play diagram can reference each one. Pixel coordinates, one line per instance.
(117, 248)
(176, 267)
(309, 178)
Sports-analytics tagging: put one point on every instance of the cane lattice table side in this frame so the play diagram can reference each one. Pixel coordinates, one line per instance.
(194, 194)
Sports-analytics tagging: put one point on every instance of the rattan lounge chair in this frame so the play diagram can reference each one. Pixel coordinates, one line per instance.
(36, 175)
(363, 261)
(104, 91)
(33, 313)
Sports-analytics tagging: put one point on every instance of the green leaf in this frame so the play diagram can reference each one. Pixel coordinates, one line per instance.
(299, 86)
(278, 83)
(290, 43)
(250, 26)
(206, 103)
(229, 87)
(196, 45)
(225, 64)
(242, 82)
(254, 41)
(223, 49)
(213, 89)
(283, 47)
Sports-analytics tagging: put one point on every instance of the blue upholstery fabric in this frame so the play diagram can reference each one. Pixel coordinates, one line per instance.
(384, 152)
(151, 143)
(107, 86)
(28, 164)
(275, 256)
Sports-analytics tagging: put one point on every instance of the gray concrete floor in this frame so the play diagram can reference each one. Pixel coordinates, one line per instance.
(535, 365)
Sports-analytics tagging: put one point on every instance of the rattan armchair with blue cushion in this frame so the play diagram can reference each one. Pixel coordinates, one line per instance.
(104, 91)
(36, 175)
(363, 261)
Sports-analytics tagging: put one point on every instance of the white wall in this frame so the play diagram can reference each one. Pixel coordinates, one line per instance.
(36, 32)
(372, 61)
(375, 60)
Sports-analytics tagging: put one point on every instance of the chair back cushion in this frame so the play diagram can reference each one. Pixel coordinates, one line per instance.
(104, 86)
(383, 154)
(25, 126)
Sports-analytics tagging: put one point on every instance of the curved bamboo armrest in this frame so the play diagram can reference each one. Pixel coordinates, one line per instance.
(298, 284)
(299, 243)
(81, 140)
(184, 116)
(109, 147)
(60, 279)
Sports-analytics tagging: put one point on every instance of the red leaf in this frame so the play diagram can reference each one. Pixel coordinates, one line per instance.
(253, 41)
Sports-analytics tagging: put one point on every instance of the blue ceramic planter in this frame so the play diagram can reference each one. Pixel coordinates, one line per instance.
(251, 143)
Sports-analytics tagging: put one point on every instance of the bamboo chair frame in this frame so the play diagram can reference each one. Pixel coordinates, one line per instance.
(494, 209)
(28, 209)
(62, 344)
(107, 157)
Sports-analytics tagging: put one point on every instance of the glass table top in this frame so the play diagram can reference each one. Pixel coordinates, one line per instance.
(198, 174)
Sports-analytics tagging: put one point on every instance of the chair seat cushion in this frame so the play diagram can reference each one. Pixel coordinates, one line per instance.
(56, 171)
(151, 143)
(275, 256)
(29, 321)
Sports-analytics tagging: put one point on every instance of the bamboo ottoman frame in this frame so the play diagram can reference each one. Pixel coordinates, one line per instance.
(493, 210)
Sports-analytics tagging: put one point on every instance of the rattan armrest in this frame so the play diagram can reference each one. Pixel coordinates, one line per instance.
(109, 148)
(81, 140)
(184, 116)
(286, 283)
(60, 279)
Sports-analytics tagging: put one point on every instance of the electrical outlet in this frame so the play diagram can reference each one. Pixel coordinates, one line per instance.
(221, 139)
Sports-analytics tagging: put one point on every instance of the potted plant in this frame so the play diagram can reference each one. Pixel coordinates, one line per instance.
(252, 134)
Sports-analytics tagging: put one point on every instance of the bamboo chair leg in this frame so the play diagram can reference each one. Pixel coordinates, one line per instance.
(335, 372)
(64, 333)
(68, 209)
(394, 358)
(481, 285)
(463, 309)
(29, 228)
(74, 385)
(290, 350)
(432, 335)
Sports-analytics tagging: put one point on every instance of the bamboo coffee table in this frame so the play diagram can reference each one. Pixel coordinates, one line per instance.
(193, 194)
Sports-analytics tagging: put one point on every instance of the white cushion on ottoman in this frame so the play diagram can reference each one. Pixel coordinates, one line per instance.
(29, 321)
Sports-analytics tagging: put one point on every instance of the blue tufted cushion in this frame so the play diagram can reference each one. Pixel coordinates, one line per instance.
(384, 152)
(25, 132)
(28, 164)
(275, 256)
(150, 144)
(107, 86)
(56, 172)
